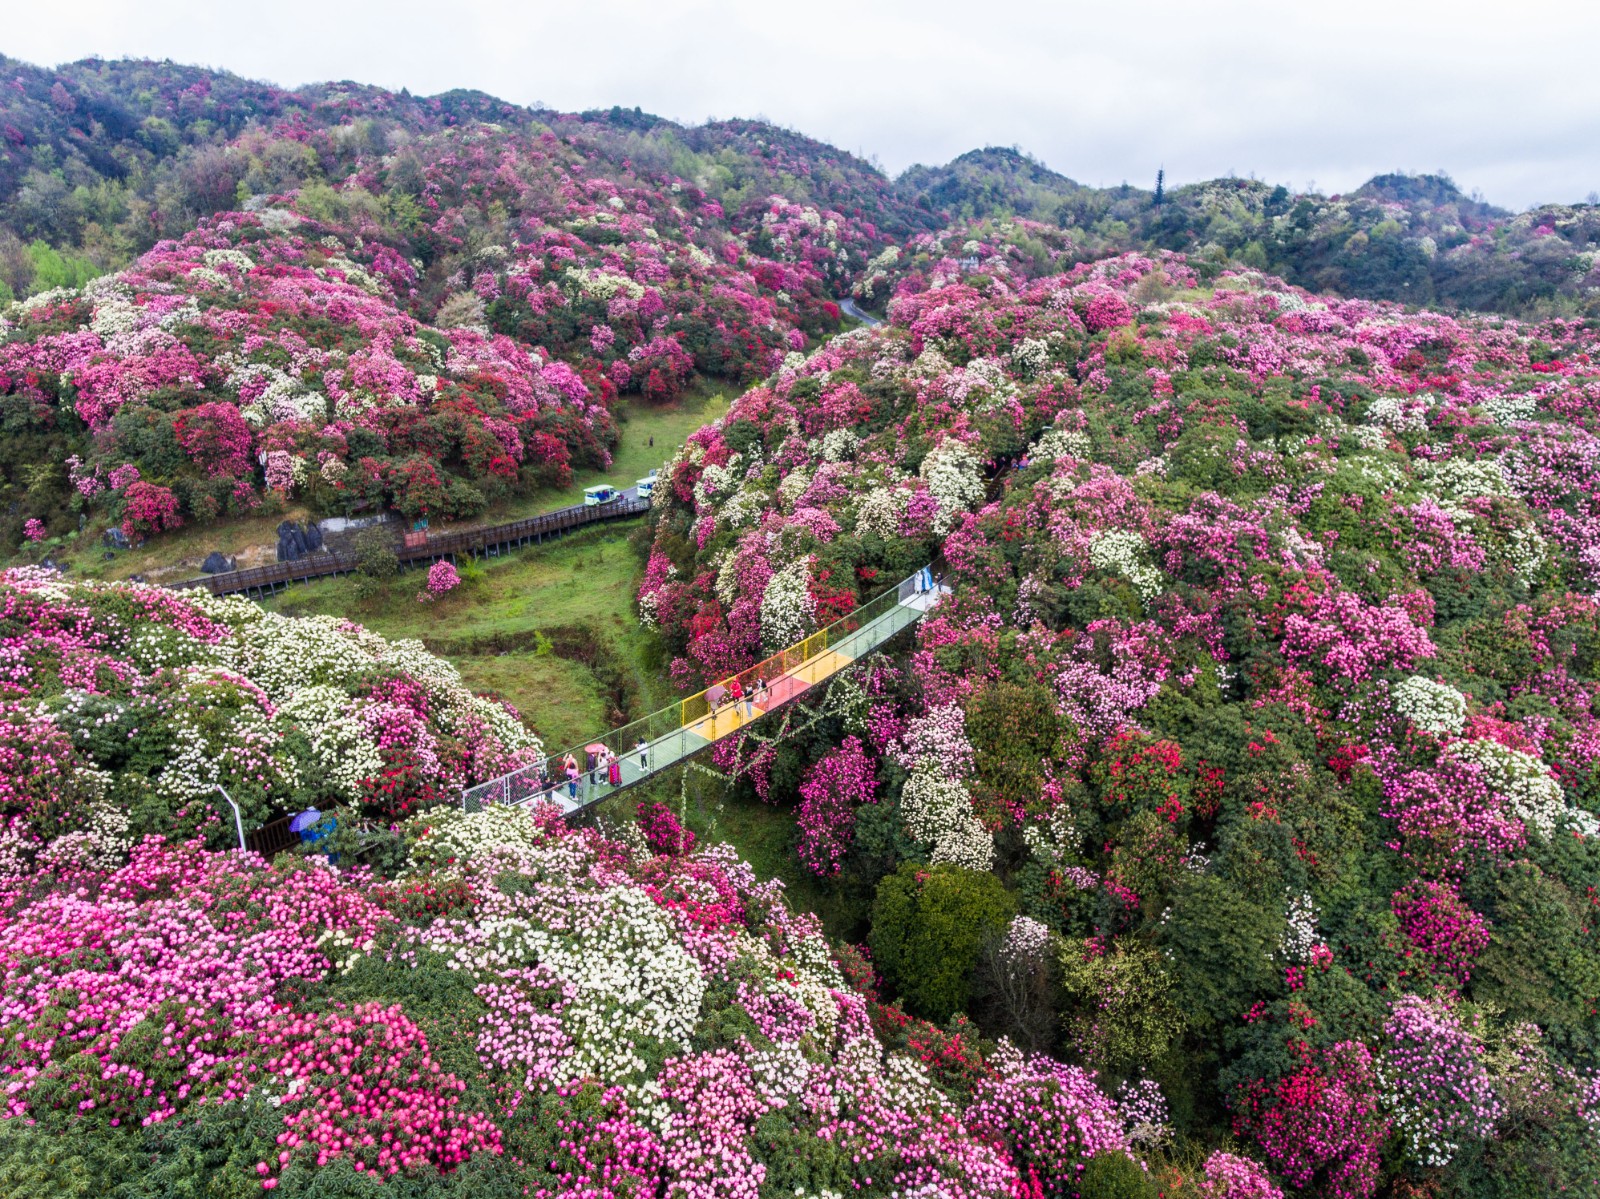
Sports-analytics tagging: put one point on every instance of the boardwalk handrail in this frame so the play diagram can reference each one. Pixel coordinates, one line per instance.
(445, 545)
(676, 731)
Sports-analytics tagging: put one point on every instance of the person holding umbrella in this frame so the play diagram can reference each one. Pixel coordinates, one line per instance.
(714, 697)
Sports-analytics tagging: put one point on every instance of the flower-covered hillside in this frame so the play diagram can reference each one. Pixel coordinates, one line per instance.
(637, 274)
(1268, 685)
(257, 355)
(123, 708)
(434, 328)
(523, 1010)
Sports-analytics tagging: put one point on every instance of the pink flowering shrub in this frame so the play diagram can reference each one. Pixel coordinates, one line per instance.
(662, 831)
(442, 577)
(1229, 1176)
(1441, 1094)
(1052, 1117)
(830, 794)
(364, 1085)
(1445, 933)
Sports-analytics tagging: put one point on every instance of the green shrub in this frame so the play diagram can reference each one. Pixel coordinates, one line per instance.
(375, 556)
(928, 925)
(1116, 1176)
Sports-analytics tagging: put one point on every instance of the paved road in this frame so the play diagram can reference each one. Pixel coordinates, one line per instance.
(848, 307)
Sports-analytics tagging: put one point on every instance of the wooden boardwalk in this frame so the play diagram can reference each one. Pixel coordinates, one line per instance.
(260, 581)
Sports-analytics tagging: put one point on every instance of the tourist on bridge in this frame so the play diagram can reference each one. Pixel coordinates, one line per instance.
(572, 777)
(736, 690)
(714, 697)
(644, 754)
(760, 697)
(613, 768)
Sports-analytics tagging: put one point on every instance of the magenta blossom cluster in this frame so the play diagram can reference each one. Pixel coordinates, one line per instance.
(829, 795)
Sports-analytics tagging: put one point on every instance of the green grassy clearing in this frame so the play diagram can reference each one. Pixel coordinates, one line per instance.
(578, 590)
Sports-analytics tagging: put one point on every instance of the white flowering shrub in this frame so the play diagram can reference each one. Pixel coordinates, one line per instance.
(448, 834)
(1465, 479)
(1509, 410)
(1030, 355)
(1403, 414)
(839, 444)
(1026, 942)
(938, 812)
(1300, 927)
(1124, 553)
(1061, 443)
(340, 743)
(955, 478)
(1521, 780)
(1526, 551)
(880, 511)
(1436, 708)
(788, 609)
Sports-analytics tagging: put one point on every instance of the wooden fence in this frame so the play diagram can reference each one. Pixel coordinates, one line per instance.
(475, 543)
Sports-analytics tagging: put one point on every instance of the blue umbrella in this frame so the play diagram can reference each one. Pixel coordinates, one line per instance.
(304, 820)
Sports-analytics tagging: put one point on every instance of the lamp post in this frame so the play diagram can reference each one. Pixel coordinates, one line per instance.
(238, 821)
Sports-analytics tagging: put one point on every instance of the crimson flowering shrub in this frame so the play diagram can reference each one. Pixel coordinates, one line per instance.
(148, 509)
(1323, 1122)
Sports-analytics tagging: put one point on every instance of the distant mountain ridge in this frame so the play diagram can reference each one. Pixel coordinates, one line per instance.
(100, 159)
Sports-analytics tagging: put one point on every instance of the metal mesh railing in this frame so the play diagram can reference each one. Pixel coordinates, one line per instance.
(665, 736)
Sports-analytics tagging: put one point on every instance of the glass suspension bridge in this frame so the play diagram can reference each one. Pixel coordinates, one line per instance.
(673, 734)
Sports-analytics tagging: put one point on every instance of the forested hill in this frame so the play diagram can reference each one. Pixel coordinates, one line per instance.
(1412, 238)
(99, 160)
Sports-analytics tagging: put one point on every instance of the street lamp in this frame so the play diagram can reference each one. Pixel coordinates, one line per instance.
(238, 821)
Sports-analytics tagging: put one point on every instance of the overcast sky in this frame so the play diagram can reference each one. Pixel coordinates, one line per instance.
(1505, 98)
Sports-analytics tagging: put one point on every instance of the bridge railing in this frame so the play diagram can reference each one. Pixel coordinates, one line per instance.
(681, 717)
